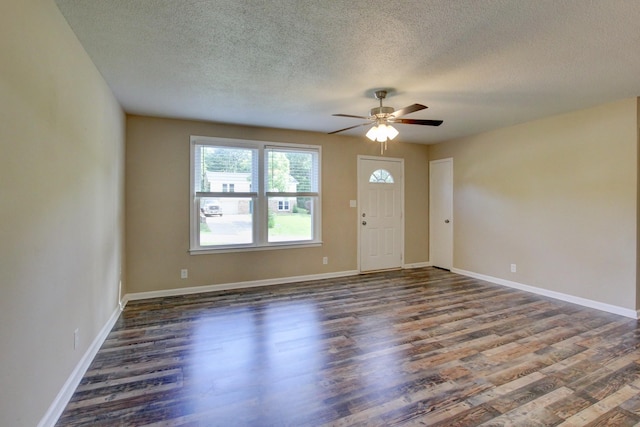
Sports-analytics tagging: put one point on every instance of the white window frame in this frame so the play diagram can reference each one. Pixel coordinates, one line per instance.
(260, 198)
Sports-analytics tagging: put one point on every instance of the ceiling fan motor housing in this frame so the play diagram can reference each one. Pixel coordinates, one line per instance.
(381, 111)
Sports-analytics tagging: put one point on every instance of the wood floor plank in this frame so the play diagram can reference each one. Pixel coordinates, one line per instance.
(421, 347)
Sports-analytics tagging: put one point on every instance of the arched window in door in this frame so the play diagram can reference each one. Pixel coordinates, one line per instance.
(381, 176)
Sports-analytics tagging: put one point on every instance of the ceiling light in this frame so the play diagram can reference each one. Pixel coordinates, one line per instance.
(382, 133)
(373, 133)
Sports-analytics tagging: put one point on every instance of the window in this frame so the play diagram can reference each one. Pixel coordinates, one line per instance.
(253, 194)
(283, 205)
(381, 176)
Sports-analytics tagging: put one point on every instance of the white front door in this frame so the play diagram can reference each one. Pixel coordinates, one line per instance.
(441, 213)
(380, 198)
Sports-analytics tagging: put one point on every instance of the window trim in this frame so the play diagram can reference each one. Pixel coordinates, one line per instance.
(260, 197)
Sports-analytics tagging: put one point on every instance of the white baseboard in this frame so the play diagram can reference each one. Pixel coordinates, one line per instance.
(237, 285)
(626, 312)
(69, 387)
(249, 284)
(417, 265)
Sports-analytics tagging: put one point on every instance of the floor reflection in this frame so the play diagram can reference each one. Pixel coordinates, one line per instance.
(259, 354)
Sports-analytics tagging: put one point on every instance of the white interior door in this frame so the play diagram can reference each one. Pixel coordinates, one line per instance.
(380, 198)
(441, 213)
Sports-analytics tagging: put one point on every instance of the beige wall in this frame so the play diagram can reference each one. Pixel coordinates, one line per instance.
(157, 207)
(61, 206)
(557, 197)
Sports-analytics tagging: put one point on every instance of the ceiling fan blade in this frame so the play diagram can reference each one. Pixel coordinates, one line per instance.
(419, 122)
(349, 115)
(350, 127)
(410, 109)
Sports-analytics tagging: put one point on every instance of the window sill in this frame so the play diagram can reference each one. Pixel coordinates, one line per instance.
(209, 251)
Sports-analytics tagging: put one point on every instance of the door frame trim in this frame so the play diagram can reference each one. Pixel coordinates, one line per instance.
(445, 160)
(359, 204)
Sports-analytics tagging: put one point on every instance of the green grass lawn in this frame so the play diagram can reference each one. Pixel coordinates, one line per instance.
(292, 225)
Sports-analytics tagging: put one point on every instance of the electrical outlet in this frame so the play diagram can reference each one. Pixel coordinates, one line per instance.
(325, 260)
(184, 273)
(76, 338)
(513, 268)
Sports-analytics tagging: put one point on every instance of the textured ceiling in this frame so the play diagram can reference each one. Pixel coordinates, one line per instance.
(477, 64)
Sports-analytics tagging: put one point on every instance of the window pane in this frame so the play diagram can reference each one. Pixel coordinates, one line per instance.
(290, 219)
(225, 169)
(381, 175)
(292, 171)
(226, 221)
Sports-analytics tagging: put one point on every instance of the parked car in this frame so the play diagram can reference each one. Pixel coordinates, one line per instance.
(211, 209)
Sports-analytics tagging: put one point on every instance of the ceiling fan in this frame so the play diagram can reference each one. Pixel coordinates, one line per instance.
(383, 117)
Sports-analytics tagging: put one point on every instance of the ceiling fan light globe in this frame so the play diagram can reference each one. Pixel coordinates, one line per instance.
(382, 132)
(373, 133)
(386, 130)
(391, 132)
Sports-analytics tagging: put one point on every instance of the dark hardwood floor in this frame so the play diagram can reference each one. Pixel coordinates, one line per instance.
(420, 347)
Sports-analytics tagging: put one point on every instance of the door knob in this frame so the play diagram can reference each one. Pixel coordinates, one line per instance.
(446, 221)
(364, 222)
